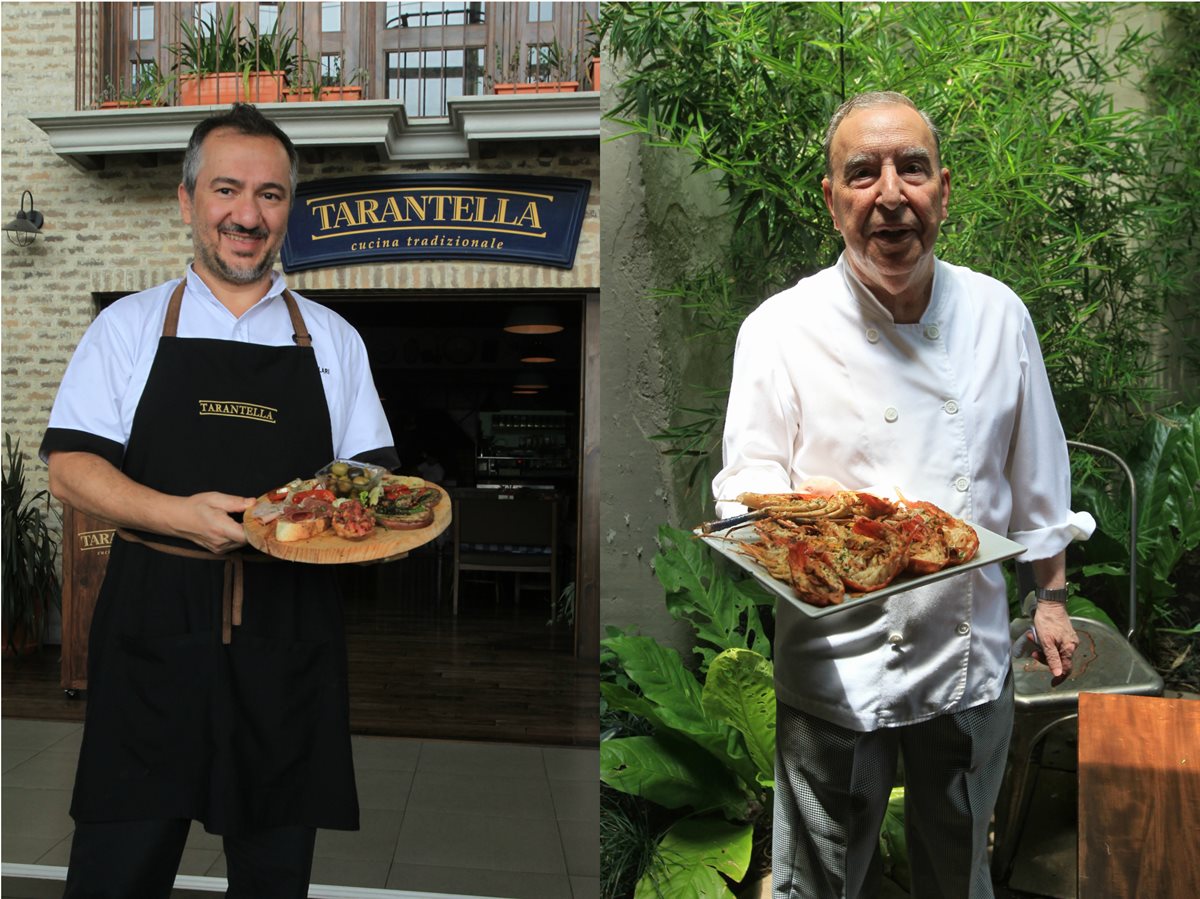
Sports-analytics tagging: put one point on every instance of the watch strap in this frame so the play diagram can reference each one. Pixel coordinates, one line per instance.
(1051, 594)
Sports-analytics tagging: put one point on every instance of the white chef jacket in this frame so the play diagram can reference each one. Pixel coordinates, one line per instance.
(955, 409)
(104, 381)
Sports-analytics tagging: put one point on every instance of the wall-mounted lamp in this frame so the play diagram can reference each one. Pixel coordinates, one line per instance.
(26, 226)
(532, 320)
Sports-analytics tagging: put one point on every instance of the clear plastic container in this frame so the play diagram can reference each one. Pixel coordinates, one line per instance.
(347, 477)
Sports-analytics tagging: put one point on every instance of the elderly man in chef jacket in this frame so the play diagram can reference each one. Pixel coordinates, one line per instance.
(895, 370)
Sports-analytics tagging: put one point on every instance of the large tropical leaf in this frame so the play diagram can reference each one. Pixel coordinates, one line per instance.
(740, 691)
(723, 611)
(674, 700)
(673, 773)
(693, 855)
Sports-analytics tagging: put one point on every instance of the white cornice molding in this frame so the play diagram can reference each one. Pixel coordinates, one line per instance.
(87, 139)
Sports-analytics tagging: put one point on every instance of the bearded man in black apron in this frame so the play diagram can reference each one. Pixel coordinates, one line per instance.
(180, 405)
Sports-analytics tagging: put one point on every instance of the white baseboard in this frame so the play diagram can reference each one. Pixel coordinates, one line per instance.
(219, 885)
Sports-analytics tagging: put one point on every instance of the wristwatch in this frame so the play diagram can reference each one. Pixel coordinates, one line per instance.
(1047, 594)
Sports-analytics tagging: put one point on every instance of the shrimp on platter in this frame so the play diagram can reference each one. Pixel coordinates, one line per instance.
(826, 547)
(867, 554)
(961, 540)
(927, 549)
(808, 506)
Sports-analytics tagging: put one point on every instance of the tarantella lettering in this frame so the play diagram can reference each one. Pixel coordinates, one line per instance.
(428, 209)
(91, 540)
(234, 409)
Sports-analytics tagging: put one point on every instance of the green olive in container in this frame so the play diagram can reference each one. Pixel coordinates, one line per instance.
(349, 477)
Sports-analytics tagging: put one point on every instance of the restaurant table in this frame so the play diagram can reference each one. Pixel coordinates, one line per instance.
(1139, 797)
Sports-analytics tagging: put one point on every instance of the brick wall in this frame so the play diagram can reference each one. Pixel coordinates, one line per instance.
(119, 230)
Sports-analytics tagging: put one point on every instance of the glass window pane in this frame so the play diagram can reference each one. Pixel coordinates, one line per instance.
(425, 80)
(331, 69)
(206, 13)
(268, 16)
(420, 15)
(143, 21)
(541, 12)
(331, 16)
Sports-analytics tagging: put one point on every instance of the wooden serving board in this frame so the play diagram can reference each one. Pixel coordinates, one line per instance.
(327, 548)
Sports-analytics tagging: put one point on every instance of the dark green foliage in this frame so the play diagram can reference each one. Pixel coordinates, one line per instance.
(1085, 208)
(30, 575)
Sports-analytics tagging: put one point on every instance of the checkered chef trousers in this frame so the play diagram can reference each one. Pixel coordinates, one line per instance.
(831, 792)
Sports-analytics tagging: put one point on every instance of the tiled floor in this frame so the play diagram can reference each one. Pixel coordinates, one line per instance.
(468, 819)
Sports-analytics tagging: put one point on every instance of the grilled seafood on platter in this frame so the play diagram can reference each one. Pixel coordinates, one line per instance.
(843, 504)
(824, 547)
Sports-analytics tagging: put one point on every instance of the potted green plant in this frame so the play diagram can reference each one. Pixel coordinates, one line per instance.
(29, 576)
(148, 88)
(551, 72)
(312, 84)
(217, 64)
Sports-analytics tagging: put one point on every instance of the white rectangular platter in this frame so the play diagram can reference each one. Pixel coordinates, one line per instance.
(992, 548)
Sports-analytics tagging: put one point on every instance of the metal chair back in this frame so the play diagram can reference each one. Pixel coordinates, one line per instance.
(1104, 662)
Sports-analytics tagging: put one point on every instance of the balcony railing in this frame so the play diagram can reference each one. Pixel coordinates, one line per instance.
(423, 54)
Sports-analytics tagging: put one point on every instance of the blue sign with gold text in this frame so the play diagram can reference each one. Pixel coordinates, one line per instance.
(382, 218)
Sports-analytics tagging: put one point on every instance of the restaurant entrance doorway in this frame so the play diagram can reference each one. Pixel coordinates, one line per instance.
(444, 649)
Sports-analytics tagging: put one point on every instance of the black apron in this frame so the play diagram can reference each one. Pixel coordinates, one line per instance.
(246, 735)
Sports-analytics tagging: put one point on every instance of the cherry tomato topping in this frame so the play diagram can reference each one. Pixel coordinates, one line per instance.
(277, 496)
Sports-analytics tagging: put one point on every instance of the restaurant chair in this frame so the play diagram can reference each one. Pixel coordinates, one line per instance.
(1104, 662)
(506, 534)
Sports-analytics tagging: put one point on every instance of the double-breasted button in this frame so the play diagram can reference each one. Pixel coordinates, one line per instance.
(963, 629)
(895, 639)
(890, 414)
(872, 335)
(932, 332)
(951, 407)
(961, 485)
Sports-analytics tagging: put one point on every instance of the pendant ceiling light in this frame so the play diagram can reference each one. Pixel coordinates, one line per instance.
(530, 381)
(533, 320)
(538, 352)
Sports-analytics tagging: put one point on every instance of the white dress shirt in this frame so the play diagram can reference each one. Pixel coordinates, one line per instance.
(956, 410)
(104, 381)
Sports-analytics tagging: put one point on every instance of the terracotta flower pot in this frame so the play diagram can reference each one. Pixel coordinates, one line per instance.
(228, 87)
(537, 87)
(328, 94)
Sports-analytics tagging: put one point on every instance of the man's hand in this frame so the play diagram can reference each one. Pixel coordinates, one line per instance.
(1057, 638)
(94, 486)
(204, 518)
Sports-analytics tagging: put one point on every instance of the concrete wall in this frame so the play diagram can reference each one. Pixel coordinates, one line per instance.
(661, 223)
(119, 230)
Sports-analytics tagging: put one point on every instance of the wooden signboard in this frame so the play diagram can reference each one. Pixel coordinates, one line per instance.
(86, 545)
